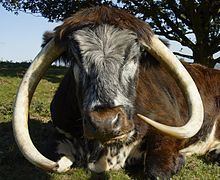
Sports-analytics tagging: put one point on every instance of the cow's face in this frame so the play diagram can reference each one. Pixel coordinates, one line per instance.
(105, 69)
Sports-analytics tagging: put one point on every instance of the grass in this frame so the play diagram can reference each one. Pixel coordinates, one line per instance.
(14, 166)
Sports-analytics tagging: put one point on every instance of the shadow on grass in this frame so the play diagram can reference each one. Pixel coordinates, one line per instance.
(7, 69)
(209, 160)
(12, 163)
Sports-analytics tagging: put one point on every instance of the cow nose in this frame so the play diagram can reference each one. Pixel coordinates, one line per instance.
(105, 121)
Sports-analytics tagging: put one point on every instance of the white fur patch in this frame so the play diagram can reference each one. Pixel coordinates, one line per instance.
(109, 162)
(120, 99)
(129, 71)
(202, 147)
(64, 164)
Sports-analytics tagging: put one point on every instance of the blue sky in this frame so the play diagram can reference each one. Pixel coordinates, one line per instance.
(21, 35)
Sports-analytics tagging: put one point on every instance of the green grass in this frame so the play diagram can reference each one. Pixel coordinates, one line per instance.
(14, 166)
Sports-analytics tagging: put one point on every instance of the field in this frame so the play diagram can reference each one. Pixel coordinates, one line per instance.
(14, 166)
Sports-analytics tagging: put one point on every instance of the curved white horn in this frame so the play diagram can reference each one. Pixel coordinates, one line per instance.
(21, 107)
(188, 87)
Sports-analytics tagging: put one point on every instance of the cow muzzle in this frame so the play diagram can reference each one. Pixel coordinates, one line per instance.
(105, 124)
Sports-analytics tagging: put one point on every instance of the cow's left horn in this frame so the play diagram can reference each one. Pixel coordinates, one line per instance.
(188, 87)
(21, 107)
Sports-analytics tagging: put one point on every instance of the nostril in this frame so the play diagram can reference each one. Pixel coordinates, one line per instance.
(116, 121)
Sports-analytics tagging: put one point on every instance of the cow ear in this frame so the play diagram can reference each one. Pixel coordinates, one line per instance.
(47, 36)
(143, 49)
(146, 59)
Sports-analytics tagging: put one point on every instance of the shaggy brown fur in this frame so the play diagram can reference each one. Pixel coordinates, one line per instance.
(160, 98)
(104, 15)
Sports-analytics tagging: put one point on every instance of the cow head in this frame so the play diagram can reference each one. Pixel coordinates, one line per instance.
(105, 63)
(104, 45)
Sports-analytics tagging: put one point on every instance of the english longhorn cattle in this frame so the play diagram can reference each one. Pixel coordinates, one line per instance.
(125, 100)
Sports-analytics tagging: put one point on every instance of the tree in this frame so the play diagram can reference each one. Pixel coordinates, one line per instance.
(175, 19)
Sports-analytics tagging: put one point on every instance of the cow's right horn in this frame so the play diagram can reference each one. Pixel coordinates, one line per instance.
(188, 87)
(26, 90)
